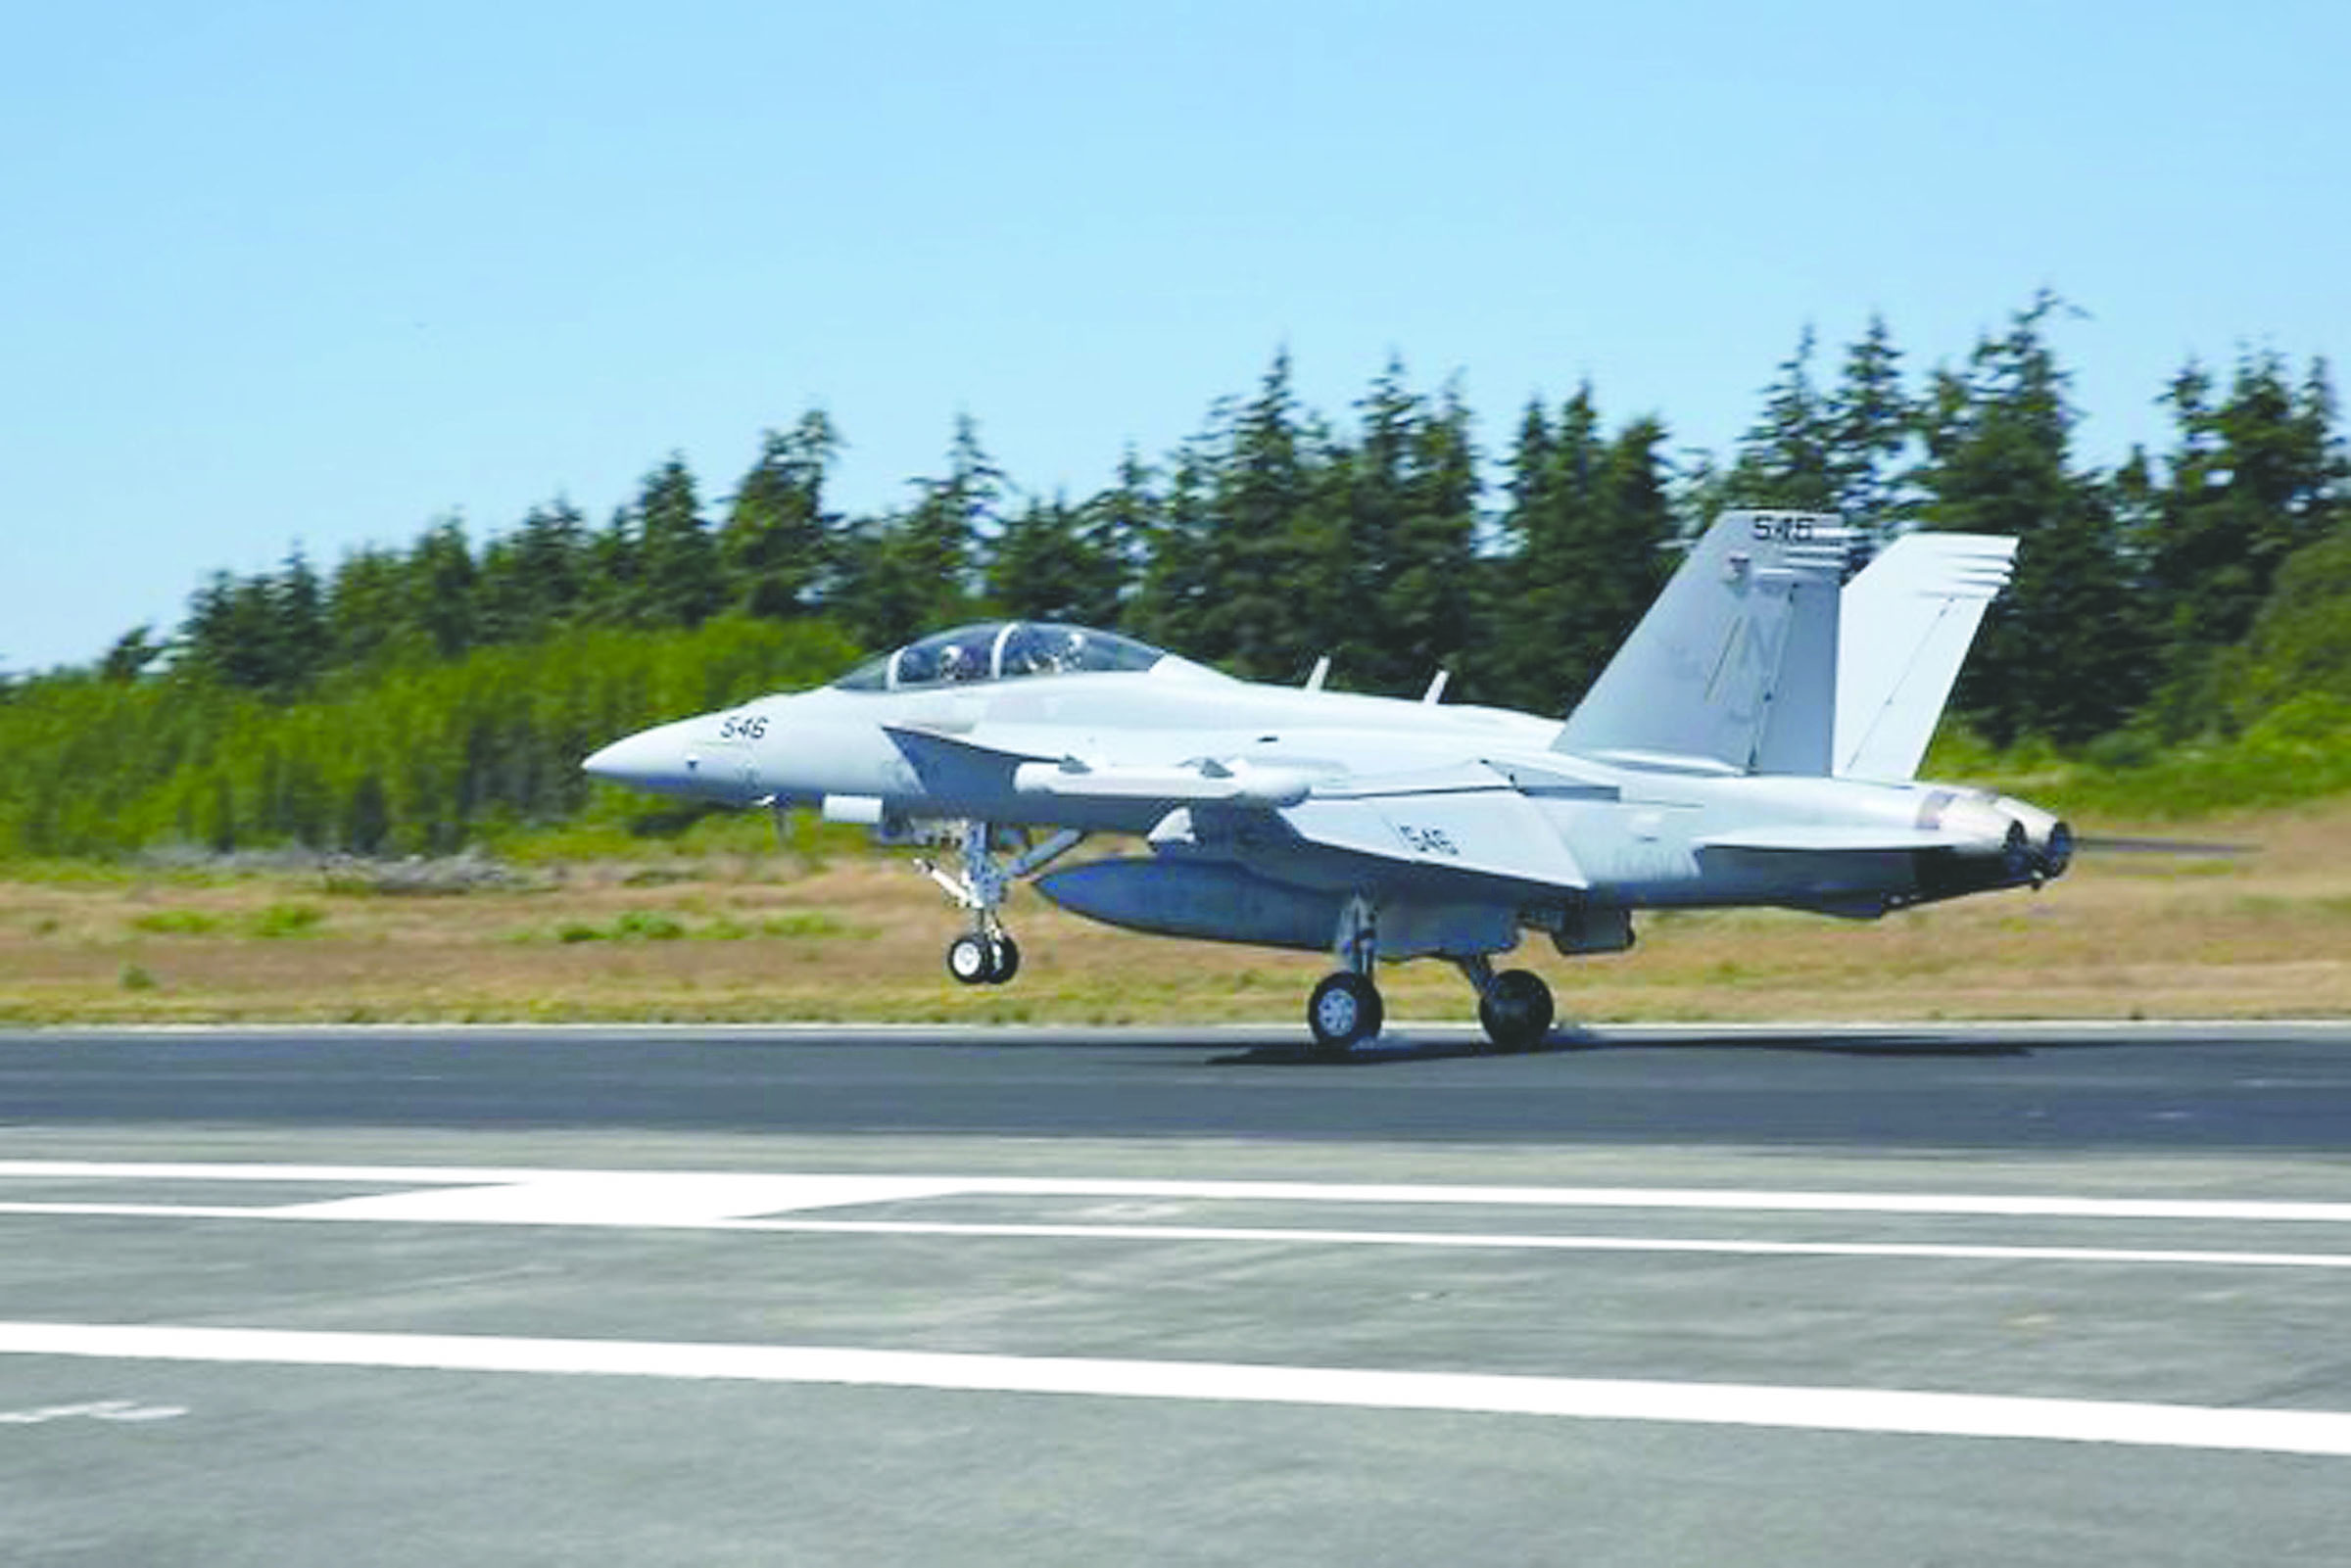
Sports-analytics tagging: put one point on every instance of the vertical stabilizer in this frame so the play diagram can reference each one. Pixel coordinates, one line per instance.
(1907, 622)
(1735, 664)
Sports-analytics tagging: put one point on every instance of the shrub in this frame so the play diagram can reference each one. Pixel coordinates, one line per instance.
(287, 920)
(178, 922)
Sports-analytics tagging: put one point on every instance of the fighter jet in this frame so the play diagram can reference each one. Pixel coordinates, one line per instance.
(1753, 742)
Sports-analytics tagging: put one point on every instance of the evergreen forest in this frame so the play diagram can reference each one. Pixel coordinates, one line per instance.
(421, 698)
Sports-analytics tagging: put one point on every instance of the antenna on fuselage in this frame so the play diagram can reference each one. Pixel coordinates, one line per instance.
(1321, 673)
(1436, 688)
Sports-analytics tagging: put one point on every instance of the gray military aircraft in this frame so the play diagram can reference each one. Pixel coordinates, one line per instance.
(1754, 742)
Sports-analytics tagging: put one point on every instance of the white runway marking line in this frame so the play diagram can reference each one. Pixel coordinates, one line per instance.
(1821, 1409)
(624, 1198)
(129, 1410)
(720, 1201)
(563, 1188)
(1256, 1234)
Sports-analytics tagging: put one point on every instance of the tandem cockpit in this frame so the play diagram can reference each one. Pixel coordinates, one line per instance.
(1003, 650)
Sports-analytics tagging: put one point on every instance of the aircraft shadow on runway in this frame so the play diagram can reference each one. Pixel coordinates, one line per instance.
(1920, 1043)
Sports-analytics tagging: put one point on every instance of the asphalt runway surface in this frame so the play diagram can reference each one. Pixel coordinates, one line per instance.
(1900, 1295)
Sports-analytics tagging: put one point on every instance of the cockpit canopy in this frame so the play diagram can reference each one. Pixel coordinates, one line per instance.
(1000, 651)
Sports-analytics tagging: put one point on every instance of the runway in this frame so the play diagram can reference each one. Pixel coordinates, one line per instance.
(1918, 1295)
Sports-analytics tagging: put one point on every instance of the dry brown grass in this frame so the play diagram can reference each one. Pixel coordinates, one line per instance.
(861, 939)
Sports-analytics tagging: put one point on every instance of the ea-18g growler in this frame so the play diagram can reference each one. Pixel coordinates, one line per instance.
(1754, 742)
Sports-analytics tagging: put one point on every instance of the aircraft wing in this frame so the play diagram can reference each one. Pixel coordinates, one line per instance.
(1470, 826)
(1470, 823)
(1454, 837)
(949, 764)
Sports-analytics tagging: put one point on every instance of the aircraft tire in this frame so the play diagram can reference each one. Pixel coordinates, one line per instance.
(970, 960)
(1344, 1012)
(1517, 1010)
(1005, 961)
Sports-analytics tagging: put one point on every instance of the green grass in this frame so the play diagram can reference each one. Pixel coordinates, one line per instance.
(2298, 752)
(648, 925)
(607, 832)
(808, 923)
(286, 919)
(177, 923)
(658, 925)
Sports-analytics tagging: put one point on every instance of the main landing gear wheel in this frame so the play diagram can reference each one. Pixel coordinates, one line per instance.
(1515, 1010)
(976, 960)
(1344, 1010)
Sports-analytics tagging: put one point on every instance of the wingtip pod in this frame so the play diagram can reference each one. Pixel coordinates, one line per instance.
(1735, 664)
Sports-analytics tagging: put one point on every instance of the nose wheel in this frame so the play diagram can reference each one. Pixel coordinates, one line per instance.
(983, 959)
(986, 953)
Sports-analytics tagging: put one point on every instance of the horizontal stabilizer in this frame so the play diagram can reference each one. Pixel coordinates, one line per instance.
(1907, 621)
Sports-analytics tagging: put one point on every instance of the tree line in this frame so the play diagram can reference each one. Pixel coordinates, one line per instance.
(409, 696)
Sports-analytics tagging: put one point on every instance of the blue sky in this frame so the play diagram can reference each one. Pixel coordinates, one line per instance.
(282, 273)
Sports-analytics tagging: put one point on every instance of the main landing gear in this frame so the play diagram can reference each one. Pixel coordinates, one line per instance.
(1515, 1007)
(986, 953)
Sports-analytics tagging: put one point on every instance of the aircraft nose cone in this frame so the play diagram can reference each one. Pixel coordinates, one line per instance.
(651, 759)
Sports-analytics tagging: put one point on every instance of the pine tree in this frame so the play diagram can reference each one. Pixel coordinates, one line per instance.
(301, 647)
(229, 635)
(1788, 458)
(127, 659)
(1428, 600)
(1270, 610)
(1254, 576)
(1870, 422)
(1117, 527)
(2299, 648)
(439, 585)
(2257, 475)
(1375, 654)
(1583, 550)
(366, 610)
(776, 548)
(679, 583)
(532, 580)
(1046, 567)
(2058, 656)
(1172, 597)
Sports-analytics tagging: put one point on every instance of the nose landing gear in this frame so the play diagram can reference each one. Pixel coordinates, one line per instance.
(986, 953)
(983, 958)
